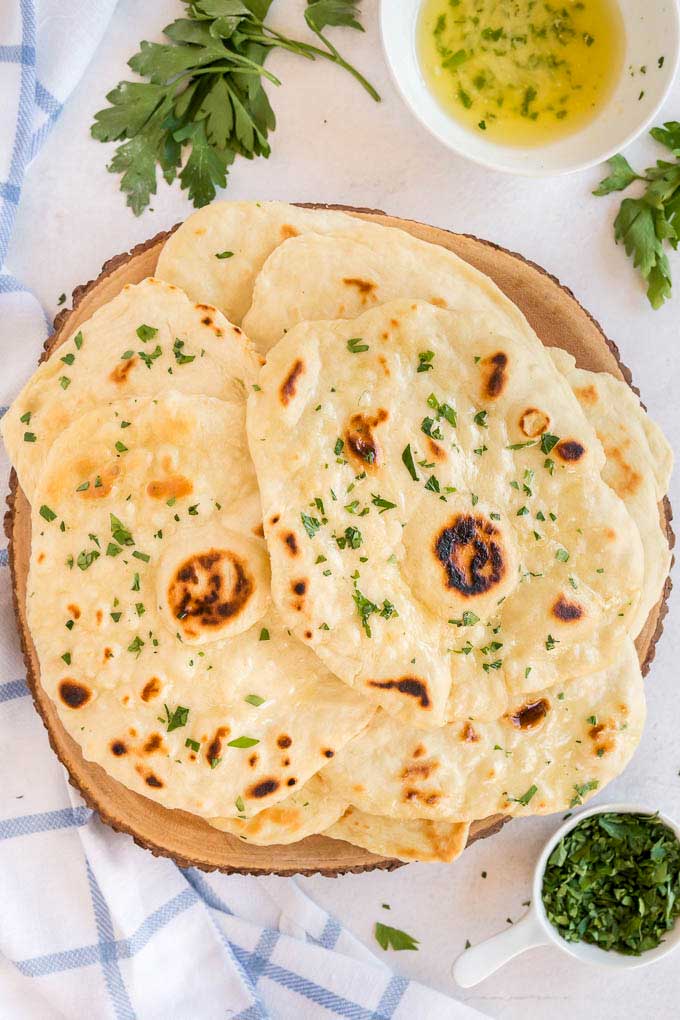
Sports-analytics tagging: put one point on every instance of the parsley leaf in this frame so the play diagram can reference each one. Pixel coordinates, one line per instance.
(644, 224)
(393, 938)
(204, 93)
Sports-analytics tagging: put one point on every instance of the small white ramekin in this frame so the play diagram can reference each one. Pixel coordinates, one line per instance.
(534, 929)
(652, 29)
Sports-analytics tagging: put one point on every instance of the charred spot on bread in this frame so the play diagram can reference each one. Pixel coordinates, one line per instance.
(412, 686)
(529, 715)
(470, 551)
(288, 387)
(74, 693)
(209, 590)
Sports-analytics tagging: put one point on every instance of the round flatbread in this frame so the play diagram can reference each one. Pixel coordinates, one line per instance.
(438, 526)
(150, 610)
(549, 752)
(149, 338)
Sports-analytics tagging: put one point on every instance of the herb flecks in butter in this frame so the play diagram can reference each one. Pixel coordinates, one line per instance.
(521, 73)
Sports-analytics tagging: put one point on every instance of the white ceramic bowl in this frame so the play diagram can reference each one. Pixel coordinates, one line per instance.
(652, 29)
(534, 929)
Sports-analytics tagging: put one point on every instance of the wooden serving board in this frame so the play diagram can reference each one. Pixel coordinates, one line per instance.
(557, 318)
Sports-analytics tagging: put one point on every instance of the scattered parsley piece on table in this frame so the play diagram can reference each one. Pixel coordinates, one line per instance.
(644, 223)
(204, 91)
(393, 938)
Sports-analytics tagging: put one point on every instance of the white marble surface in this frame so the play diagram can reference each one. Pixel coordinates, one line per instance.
(333, 144)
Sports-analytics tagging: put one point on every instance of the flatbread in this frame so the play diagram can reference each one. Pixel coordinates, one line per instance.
(415, 840)
(189, 346)
(152, 590)
(248, 232)
(550, 752)
(638, 466)
(506, 566)
(309, 810)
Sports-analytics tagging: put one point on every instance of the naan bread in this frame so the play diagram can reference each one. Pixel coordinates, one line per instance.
(548, 753)
(329, 276)
(149, 606)
(507, 566)
(148, 338)
(251, 231)
(308, 811)
(638, 466)
(415, 840)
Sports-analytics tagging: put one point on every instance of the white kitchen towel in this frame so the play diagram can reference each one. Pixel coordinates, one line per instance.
(91, 925)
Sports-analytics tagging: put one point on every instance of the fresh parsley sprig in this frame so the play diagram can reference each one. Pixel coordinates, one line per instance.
(643, 224)
(204, 92)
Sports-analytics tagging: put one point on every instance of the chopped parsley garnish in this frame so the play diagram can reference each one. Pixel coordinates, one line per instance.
(78, 339)
(614, 881)
(581, 791)
(311, 524)
(149, 359)
(180, 357)
(254, 699)
(175, 720)
(141, 556)
(526, 797)
(393, 938)
(407, 458)
(443, 410)
(264, 634)
(481, 418)
(136, 646)
(121, 447)
(562, 555)
(366, 609)
(69, 358)
(432, 484)
(468, 619)
(86, 559)
(224, 254)
(47, 513)
(382, 504)
(67, 658)
(193, 744)
(29, 437)
(356, 345)
(119, 532)
(550, 642)
(240, 806)
(430, 427)
(339, 444)
(425, 361)
(146, 333)
(214, 762)
(548, 442)
(64, 382)
(352, 539)
(243, 742)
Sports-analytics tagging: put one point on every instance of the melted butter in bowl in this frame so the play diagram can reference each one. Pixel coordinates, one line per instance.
(525, 72)
(534, 87)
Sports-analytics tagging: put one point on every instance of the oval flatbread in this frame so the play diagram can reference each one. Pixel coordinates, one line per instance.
(438, 526)
(549, 752)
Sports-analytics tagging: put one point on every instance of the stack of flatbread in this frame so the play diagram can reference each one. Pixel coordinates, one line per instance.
(324, 539)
